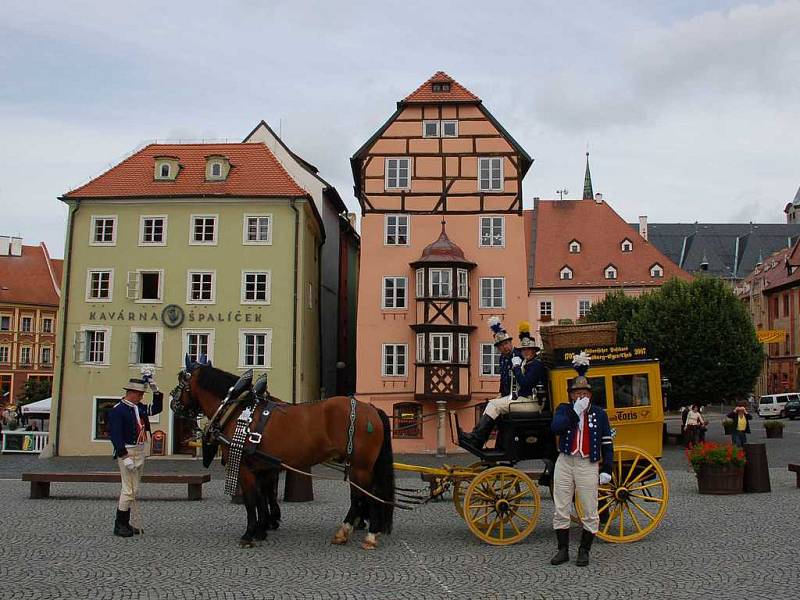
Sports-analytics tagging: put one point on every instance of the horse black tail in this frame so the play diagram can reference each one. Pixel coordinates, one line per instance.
(383, 474)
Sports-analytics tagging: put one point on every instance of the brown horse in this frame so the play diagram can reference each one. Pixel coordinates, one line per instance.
(304, 435)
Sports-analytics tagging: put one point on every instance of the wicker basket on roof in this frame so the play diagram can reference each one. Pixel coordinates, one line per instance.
(555, 337)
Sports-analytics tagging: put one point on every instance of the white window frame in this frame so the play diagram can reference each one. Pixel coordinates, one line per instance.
(441, 128)
(660, 269)
(488, 188)
(397, 227)
(22, 351)
(395, 370)
(566, 274)
(493, 352)
(462, 283)
(463, 348)
(89, 297)
(161, 166)
(546, 308)
(577, 244)
(211, 165)
(410, 164)
(580, 300)
(610, 268)
(492, 234)
(385, 299)
(30, 319)
(420, 283)
(213, 274)
(431, 273)
(139, 299)
(492, 286)
(93, 224)
(420, 347)
(52, 324)
(425, 124)
(41, 355)
(245, 229)
(5, 349)
(209, 332)
(84, 348)
(134, 331)
(267, 348)
(626, 245)
(10, 318)
(245, 273)
(192, 241)
(142, 241)
(432, 339)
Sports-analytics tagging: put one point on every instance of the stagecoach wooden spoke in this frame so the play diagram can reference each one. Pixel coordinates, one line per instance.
(645, 486)
(647, 498)
(610, 519)
(631, 471)
(650, 515)
(605, 506)
(641, 475)
(633, 518)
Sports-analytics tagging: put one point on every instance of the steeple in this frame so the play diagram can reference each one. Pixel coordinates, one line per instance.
(588, 194)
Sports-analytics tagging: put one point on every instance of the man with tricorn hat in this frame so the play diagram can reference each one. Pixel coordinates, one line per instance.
(586, 453)
(520, 373)
(129, 425)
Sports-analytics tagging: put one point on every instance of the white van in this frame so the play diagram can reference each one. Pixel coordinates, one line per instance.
(774, 405)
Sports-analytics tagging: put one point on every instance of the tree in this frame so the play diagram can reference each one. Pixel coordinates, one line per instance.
(702, 334)
(616, 306)
(35, 389)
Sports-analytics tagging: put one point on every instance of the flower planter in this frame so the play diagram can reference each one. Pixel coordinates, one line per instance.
(774, 432)
(720, 479)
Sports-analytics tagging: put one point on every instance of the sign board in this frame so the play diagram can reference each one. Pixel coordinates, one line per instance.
(603, 355)
(158, 443)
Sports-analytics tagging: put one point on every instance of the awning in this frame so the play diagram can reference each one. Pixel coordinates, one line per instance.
(771, 336)
(39, 408)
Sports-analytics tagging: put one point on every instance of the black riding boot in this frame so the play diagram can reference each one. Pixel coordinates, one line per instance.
(583, 550)
(562, 555)
(478, 436)
(121, 526)
(135, 530)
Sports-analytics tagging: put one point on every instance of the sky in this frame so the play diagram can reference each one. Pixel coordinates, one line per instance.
(690, 110)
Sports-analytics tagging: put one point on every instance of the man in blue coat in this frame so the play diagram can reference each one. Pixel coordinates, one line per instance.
(129, 426)
(586, 453)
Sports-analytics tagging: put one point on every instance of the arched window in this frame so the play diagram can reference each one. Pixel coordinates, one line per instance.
(407, 422)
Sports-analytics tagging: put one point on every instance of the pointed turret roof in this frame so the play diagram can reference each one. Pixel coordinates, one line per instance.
(440, 88)
(588, 193)
(443, 250)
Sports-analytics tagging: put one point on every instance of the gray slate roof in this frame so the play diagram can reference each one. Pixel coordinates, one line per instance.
(731, 249)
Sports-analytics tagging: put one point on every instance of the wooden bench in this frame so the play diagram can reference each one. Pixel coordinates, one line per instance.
(40, 482)
(796, 470)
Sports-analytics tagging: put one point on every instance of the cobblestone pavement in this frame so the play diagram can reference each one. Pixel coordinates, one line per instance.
(721, 546)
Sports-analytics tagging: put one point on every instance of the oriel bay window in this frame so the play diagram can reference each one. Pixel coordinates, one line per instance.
(463, 283)
(441, 347)
(440, 283)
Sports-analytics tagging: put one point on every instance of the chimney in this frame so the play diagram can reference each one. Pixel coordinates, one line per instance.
(643, 226)
(16, 246)
(598, 198)
(5, 245)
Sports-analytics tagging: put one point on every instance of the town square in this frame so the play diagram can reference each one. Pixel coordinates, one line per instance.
(350, 300)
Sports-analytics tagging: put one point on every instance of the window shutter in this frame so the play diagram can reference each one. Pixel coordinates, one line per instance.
(133, 349)
(132, 286)
(79, 347)
(420, 347)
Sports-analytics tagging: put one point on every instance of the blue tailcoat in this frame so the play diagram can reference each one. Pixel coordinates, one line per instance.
(528, 378)
(507, 372)
(122, 422)
(601, 441)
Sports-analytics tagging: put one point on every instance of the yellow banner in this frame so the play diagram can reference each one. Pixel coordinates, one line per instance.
(771, 336)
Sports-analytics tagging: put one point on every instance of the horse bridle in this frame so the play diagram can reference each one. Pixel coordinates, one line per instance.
(178, 408)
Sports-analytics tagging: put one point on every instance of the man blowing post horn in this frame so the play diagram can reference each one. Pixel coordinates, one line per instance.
(520, 373)
(585, 437)
(128, 425)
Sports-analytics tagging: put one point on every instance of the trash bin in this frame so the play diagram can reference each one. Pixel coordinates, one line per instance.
(756, 471)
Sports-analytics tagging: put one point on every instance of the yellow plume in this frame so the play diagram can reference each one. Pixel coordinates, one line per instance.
(524, 327)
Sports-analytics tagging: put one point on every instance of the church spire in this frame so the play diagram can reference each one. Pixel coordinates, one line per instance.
(588, 194)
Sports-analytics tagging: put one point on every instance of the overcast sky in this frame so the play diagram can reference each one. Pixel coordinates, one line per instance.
(691, 110)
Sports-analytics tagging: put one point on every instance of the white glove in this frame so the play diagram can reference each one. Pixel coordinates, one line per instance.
(605, 478)
(580, 405)
(153, 386)
(516, 361)
(129, 464)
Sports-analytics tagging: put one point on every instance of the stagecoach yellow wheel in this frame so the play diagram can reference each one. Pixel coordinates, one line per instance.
(460, 486)
(501, 506)
(635, 501)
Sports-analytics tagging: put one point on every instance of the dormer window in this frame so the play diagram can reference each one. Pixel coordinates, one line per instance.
(439, 88)
(610, 272)
(627, 245)
(166, 168)
(656, 271)
(565, 273)
(574, 247)
(163, 171)
(217, 168)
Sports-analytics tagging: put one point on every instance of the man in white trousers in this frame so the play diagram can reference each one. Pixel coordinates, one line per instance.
(586, 453)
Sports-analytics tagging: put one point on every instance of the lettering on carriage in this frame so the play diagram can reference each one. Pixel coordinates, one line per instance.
(193, 315)
(623, 416)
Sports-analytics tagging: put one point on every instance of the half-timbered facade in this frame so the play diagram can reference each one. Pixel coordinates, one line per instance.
(426, 289)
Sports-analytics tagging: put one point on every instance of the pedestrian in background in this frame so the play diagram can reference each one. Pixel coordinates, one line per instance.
(694, 421)
(741, 424)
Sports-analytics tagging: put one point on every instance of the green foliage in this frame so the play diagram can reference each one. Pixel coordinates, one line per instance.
(773, 425)
(35, 390)
(711, 453)
(702, 334)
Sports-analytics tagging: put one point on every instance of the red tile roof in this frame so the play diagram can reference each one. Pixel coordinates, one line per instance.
(27, 279)
(425, 94)
(600, 232)
(254, 172)
(775, 272)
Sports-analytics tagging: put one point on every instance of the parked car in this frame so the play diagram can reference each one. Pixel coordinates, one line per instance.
(793, 409)
(774, 405)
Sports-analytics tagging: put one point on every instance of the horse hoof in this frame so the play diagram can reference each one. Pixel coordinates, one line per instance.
(368, 545)
(273, 525)
(246, 544)
(339, 540)
(260, 537)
